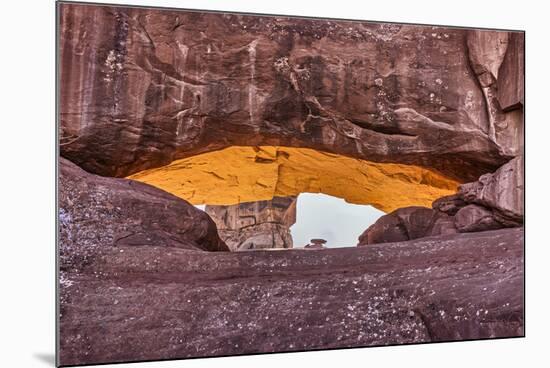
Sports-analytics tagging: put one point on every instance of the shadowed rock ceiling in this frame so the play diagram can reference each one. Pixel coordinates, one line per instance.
(245, 174)
(205, 105)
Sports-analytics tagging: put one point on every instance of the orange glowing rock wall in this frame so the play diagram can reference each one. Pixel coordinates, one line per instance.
(246, 174)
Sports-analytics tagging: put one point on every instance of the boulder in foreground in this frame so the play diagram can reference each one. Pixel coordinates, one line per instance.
(97, 212)
(494, 201)
(166, 303)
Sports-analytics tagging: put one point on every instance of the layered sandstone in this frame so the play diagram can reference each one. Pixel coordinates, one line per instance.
(497, 59)
(244, 113)
(141, 88)
(494, 201)
(256, 225)
(502, 191)
(246, 174)
(158, 303)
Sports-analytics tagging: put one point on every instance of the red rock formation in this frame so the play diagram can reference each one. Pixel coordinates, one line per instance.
(475, 218)
(316, 244)
(497, 61)
(142, 87)
(256, 225)
(502, 191)
(494, 201)
(179, 303)
(510, 84)
(406, 224)
(97, 212)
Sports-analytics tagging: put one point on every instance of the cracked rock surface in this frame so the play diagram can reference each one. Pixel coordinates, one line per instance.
(152, 303)
(144, 274)
(141, 88)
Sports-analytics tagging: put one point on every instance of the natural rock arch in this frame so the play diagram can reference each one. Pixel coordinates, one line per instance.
(139, 92)
(246, 174)
(250, 192)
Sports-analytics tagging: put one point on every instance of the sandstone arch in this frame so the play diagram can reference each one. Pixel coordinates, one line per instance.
(141, 92)
(246, 174)
(408, 112)
(251, 192)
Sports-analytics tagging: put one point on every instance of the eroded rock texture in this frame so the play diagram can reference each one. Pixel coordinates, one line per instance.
(502, 191)
(97, 212)
(166, 303)
(246, 174)
(256, 225)
(141, 88)
(497, 59)
(406, 224)
(494, 201)
(409, 107)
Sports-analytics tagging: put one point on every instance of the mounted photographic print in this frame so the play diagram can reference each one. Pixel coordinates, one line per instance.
(235, 184)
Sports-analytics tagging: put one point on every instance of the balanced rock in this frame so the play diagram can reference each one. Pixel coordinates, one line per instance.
(316, 244)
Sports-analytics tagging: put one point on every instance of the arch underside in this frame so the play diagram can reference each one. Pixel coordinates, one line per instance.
(241, 174)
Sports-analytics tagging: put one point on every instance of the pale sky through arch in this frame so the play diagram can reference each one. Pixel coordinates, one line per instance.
(330, 218)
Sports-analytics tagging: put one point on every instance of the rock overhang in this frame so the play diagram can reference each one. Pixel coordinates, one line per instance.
(254, 173)
(415, 95)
